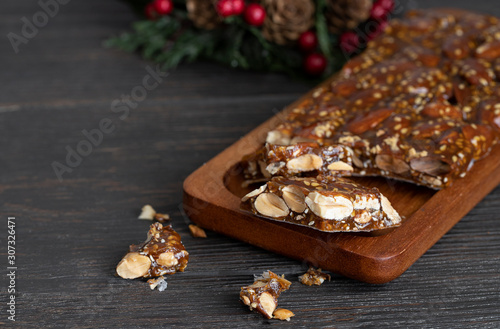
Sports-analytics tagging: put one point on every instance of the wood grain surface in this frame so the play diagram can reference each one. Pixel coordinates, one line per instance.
(71, 234)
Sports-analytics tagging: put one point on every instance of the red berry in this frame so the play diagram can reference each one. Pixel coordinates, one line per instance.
(378, 12)
(379, 28)
(238, 7)
(315, 64)
(163, 7)
(150, 12)
(388, 5)
(225, 8)
(308, 41)
(349, 41)
(255, 14)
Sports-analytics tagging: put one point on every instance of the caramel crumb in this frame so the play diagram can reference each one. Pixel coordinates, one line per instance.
(196, 231)
(147, 213)
(162, 218)
(159, 284)
(314, 277)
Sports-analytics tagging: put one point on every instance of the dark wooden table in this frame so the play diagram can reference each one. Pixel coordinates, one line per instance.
(71, 233)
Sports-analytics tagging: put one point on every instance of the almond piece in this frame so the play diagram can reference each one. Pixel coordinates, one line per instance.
(361, 125)
(461, 92)
(442, 110)
(168, 259)
(271, 205)
(363, 217)
(329, 207)
(430, 166)
(433, 181)
(355, 159)
(274, 167)
(344, 87)
(339, 165)
(364, 202)
(147, 212)
(267, 303)
(300, 139)
(245, 300)
(278, 138)
(390, 211)
(294, 198)
(456, 47)
(196, 231)
(283, 314)
(394, 165)
(489, 50)
(254, 193)
(133, 265)
(306, 162)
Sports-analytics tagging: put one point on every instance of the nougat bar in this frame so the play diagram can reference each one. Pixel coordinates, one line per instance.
(162, 253)
(329, 204)
(420, 104)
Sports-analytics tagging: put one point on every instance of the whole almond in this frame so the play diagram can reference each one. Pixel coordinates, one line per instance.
(369, 121)
(294, 198)
(271, 205)
(133, 265)
(306, 162)
(283, 314)
(431, 166)
(339, 165)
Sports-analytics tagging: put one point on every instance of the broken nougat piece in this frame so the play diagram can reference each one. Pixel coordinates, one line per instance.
(329, 204)
(314, 277)
(263, 294)
(162, 253)
(303, 157)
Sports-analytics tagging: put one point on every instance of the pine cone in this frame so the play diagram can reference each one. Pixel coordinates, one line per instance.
(203, 14)
(286, 20)
(347, 14)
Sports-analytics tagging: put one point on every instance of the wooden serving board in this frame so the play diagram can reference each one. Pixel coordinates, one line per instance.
(212, 200)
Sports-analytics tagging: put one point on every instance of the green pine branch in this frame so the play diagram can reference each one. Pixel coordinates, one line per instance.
(172, 40)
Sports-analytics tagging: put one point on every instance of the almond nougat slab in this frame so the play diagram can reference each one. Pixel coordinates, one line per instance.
(420, 104)
(331, 204)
